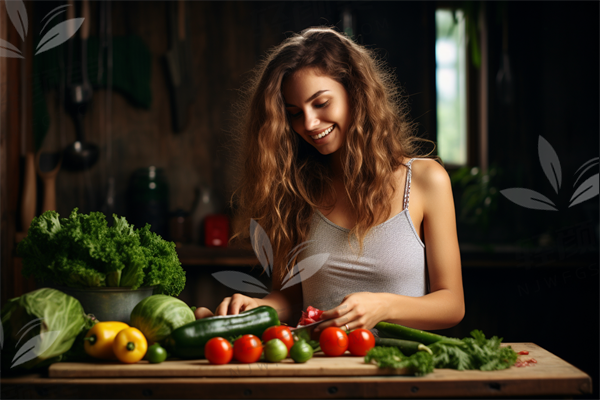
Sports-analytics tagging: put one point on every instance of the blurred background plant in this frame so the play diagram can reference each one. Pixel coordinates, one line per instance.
(477, 193)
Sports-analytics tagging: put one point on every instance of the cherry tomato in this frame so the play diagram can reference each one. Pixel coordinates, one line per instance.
(218, 351)
(275, 350)
(301, 351)
(360, 341)
(282, 332)
(247, 349)
(156, 354)
(333, 341)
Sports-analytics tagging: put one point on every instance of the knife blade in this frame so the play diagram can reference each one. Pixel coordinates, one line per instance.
(305, 331)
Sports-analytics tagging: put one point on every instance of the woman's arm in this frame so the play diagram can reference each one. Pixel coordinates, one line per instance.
(444, 306)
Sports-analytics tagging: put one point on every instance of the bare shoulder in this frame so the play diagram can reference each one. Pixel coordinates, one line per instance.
(429, 174)
(432, 180)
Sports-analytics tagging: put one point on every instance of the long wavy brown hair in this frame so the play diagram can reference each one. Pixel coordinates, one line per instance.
(282, 179)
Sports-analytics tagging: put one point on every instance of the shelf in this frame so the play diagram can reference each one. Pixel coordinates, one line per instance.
(193, 255)
(471, 256)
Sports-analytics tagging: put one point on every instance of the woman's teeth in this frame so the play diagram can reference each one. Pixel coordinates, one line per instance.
(323, 134)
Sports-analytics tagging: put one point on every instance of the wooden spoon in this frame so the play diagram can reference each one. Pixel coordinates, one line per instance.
(47, 166)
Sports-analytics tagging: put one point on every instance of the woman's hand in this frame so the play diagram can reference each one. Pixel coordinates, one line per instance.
(236, 304)
(202, 312)
(357, 310)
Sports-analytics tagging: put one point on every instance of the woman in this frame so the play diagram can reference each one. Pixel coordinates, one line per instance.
(329, 162)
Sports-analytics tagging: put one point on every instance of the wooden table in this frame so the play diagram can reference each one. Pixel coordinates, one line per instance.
(343, 377)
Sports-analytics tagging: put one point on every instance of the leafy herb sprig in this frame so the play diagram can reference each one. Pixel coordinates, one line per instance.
(420, 363)
(471, 353)
(474, 353)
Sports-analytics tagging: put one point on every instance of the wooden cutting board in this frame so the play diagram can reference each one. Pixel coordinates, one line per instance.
(319, 365)
(548, 366)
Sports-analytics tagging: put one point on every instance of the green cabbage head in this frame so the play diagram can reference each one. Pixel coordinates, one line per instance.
(39, 327)
(158, 315)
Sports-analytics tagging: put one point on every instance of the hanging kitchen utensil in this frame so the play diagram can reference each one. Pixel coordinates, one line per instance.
(47, 166)
(105, 52)
(178, 63)
(29, 195)
(79, 155)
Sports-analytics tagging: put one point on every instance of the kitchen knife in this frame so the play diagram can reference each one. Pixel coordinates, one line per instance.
(305, 331)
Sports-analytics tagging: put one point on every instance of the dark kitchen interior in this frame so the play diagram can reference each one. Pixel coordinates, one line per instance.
(529, 275)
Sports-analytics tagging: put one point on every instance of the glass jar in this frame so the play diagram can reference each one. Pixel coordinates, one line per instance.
(149, 200)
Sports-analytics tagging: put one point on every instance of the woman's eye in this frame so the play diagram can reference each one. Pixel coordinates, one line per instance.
(294, 116)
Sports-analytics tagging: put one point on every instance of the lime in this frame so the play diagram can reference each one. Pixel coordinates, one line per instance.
(156, 354)
(301, 351)
(275, 350)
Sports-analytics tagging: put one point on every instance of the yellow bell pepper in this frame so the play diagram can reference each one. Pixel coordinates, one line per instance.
(99, 339)
(130, 345)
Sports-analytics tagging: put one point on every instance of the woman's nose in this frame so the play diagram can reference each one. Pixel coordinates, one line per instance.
(311, 121)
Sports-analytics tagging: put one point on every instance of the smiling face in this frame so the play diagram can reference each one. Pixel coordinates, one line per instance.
(318, 109)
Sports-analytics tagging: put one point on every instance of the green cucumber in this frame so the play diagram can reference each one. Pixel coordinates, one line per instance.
(389, 330)
(407, 347)
(188, 341)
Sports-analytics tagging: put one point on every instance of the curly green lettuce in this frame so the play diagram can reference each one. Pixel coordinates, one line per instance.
(83, 251)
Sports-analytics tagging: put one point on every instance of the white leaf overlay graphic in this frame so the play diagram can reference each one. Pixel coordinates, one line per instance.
(592, 162)
(585, 191)
(9, 50)
(240, 281)
(305, 269)
(529, 199)
(261, 246)
(30, 328)
(550, 163)
(18, 16)
(52, 16)
(297, 250)
(33, 321)
(59, 34)
(35, 347)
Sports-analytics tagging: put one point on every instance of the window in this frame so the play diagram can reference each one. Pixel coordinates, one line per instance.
(451, 87)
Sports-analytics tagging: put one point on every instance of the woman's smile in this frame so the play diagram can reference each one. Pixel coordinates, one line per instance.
(317, 138)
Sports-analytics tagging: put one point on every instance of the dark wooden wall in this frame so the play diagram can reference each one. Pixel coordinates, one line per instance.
(227, 40)
(222, 50)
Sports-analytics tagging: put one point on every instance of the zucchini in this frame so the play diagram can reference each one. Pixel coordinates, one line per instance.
(407, 347)
(389, 330)
(188, 341)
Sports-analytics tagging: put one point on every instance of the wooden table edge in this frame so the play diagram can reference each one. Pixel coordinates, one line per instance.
(377, 386)
(38, 386)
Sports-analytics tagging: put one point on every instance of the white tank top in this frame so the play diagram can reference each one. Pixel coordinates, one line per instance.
(393, 260)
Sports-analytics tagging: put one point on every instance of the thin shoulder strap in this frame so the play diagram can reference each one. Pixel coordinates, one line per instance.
(408, 178)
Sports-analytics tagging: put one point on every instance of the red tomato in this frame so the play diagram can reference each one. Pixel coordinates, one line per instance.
(333, 341)
(282, 332)
(218, 351)
(247, 349)
(310, 315)
(360, 341)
